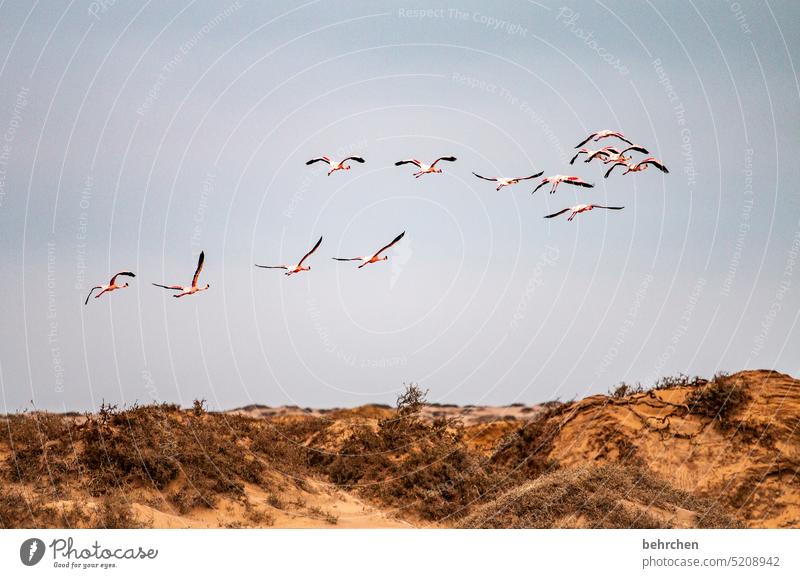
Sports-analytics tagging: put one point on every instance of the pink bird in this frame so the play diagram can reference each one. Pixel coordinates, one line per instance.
(620, 157)
(291, 269)
(577, 209)
(601, 134)
(194, 288)
(556, 179)
(375, 257)
(593, 154)
(507, 182)
(423, 168)
(112, 286)
(640, 166)
(334, 166)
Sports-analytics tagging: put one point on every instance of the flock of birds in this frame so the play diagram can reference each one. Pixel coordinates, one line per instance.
(608, 155)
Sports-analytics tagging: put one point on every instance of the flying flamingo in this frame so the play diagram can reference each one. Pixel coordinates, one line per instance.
(601, 134)
(423, 168)
(507, 182)
(619, 157)
(374, 258)
(194, 288)
(112, 285)
(556, 179)
(640, 166)
(340, 166)
(290, 269)
(592, 154)
(580, 209)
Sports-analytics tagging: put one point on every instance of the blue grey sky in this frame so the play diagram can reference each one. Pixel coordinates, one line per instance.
(136, 134)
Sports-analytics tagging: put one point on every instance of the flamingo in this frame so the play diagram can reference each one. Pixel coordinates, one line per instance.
(423, 168)
(290, 269)
(640, 166)
(507, 182)
(340, 166)
(556, 179)
(112, 285)
(601, 134)
(619, 157)
(580, 209)
(194, 288)
(374, 258)
(592, 154)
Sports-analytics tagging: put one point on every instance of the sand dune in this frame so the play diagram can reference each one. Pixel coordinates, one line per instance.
(687, 453)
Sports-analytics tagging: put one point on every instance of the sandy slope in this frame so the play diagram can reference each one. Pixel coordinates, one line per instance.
(751, 466)
(317, 506)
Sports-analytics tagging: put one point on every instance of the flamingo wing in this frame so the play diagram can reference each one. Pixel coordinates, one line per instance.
(636, 148)
(408, 161)
(540, 185)
(577, 154)
(172, 287)
(577, 181)
(561, 212)
(200, 262)
(608, 172)
(621, 137)
(656, 163)
(311, 251)
(396, 239)
(90, 294)
(539, 174)
(449, 159)
(590, 137)
(605, 207)
(343, 259)
(272, 266)
(123, 273)
(357, 159)
(319, 159)
(484, 178)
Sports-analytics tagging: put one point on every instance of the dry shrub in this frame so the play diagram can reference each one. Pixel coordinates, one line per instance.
(157, 445)
(436, 481)
(115, 512)
(283, 443)
(425, 468)
(192, 456)
(718, 399)
(18, 510)
(405, 425)
(320, 514)
(525, 452)
(275, 501)
(625, 389)
(680, 380)
(361, 454)
(258, 516)
(42, 449)
(199, 407)
(595, 497)
(198, 456)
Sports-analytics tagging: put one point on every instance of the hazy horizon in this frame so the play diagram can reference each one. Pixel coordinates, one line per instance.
(136, 136)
